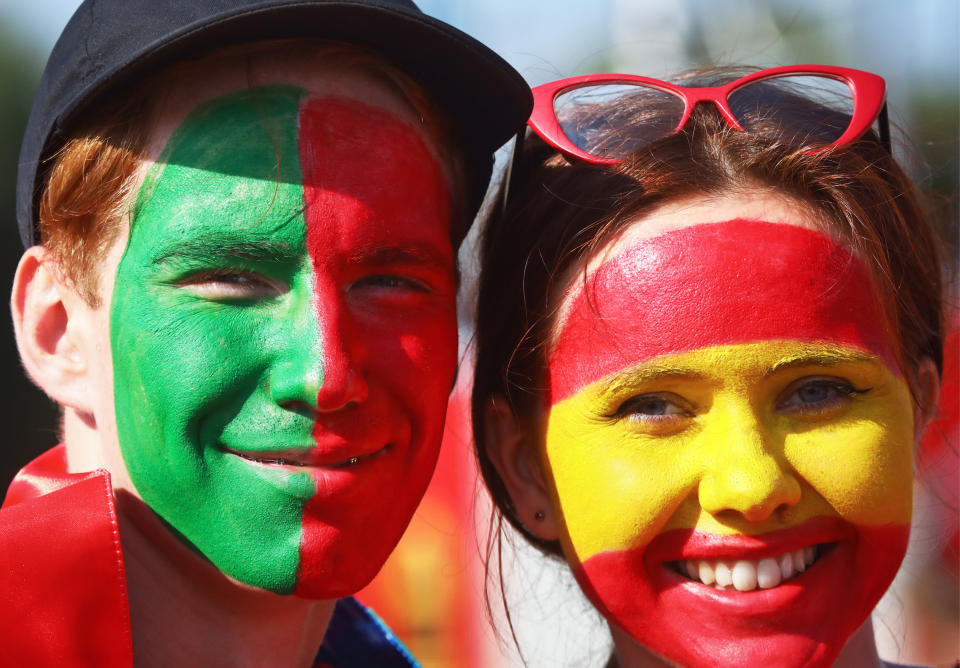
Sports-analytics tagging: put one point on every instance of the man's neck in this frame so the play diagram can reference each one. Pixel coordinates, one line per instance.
(184, 611)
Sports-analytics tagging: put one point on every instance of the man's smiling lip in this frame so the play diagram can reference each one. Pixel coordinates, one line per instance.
(311, 457)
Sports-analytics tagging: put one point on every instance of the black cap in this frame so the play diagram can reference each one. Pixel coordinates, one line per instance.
(108, 42)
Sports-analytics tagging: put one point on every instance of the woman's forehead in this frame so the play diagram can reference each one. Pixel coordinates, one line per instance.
(750, 204)
(721, 283)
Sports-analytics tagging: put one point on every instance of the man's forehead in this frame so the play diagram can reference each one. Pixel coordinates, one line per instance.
(321, 70)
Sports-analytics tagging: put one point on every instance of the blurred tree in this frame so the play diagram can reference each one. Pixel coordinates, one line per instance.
(30, 417)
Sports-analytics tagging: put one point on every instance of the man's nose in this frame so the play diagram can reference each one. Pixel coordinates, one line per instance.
(745, 473)
(343, 383)
(322, 367)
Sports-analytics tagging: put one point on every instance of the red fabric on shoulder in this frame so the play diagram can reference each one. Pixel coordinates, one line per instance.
(63, 598)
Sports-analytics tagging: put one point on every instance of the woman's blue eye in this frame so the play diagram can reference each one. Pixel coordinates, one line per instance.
(652, 406)
(814, 395)
(817, 393)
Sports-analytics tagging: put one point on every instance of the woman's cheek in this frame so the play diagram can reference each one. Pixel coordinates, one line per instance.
(615, 488)
(863, 465)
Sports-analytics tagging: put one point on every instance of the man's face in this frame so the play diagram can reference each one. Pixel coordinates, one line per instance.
(283, 335)
(729, 441)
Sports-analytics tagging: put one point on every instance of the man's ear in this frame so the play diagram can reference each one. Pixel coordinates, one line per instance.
(514, 457)
(928, 397)
(47, 314)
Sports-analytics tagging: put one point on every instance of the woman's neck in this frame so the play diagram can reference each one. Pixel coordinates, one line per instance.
(860, 651)
(184, 611)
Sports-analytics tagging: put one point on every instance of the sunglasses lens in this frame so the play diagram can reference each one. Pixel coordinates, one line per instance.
(785, 102)
(614, 120)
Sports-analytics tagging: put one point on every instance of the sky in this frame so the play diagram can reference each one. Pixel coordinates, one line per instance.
(546, 39)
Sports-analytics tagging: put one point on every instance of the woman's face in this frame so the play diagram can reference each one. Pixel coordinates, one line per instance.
(728, 440)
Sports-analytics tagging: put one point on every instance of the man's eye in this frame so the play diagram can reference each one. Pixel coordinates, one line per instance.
(232, 285)
(659, 407)
(390, 282)
(815, 395)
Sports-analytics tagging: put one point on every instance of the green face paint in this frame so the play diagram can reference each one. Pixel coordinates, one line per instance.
(283, 333)
(191, 372)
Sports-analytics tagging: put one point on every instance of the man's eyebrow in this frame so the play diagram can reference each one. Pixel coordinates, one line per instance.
(420, 255)
(215, 248)
(821, 358)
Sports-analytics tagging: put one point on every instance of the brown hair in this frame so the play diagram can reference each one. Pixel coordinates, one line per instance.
(561, 213)
(90, 182)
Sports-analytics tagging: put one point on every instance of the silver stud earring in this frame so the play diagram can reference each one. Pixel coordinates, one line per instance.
(538, 516)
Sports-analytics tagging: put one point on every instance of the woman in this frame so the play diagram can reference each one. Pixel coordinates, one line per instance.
(704, 356)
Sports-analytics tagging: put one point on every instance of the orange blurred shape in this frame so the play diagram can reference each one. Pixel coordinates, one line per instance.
(430, 590)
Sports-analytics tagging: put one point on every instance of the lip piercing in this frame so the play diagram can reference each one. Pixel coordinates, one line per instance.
(538, 516)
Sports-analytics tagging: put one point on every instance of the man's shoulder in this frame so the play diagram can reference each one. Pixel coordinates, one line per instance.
(62, 588)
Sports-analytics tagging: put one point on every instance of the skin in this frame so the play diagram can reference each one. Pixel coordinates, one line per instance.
(269, 299)
(721, 410)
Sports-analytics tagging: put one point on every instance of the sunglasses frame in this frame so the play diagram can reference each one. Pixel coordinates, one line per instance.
(868, 91)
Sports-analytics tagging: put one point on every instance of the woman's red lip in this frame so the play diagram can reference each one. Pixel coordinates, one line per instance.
(691, 544)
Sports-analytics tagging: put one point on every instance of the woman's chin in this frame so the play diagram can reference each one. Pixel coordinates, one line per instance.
(802, 616)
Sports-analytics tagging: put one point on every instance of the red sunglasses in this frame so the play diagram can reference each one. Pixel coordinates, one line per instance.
(555, 117)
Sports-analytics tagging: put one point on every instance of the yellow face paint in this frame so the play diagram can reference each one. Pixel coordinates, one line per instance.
(731, 439)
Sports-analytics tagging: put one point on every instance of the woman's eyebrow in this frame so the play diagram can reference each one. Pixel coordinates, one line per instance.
(821, 358)
(651, 373)
(215, 248)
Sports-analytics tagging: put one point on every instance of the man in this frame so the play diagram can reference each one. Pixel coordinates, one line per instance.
(242, 299)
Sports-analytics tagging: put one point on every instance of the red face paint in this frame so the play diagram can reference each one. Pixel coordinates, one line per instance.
(713, 284)
(804, 622)
(722, 396)
(378, 217)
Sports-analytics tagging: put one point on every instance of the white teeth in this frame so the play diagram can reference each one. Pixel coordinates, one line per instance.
(723, 575)
(747, 574)
(744, 576)
(786, 566)
(799, 563)
(705, 571)
(768, 573)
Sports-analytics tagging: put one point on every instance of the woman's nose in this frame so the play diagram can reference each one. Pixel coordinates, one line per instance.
(745, 474)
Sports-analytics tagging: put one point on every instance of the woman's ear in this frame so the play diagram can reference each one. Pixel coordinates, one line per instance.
(47, 314)
(513, 455)
(928, 396)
